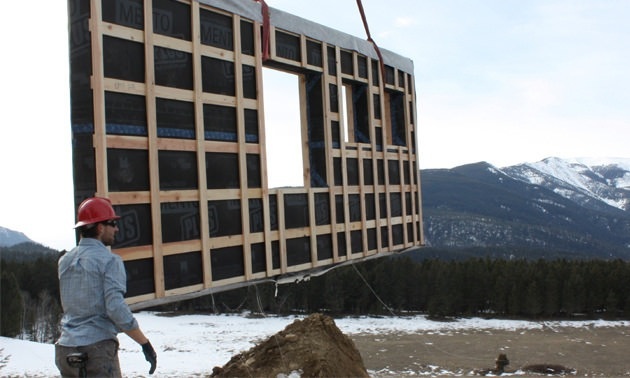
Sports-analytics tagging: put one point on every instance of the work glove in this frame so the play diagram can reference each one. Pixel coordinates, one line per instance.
(150, 355)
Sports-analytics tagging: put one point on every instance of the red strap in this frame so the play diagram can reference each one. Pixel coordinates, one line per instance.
(367, 31)
(265, 29)
(266, 32)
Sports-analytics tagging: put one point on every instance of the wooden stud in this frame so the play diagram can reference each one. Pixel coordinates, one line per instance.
(306, 164)
(204, 219)
(242, 151)
(98, 95)
(330, 171)
(344, 164)
(282, 238)
(156, 221)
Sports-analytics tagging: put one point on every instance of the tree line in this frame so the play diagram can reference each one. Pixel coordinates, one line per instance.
(474, 287)
(488, 287)
(29, 292)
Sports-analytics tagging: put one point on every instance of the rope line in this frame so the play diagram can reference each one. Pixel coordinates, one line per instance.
(391, 311)
(275, 335)
(369, 38)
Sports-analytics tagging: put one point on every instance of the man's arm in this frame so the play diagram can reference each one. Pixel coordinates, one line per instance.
(137, 336)
(149, 353)
(118, 311)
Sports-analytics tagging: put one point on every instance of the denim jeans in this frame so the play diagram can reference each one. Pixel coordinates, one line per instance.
(102, 359)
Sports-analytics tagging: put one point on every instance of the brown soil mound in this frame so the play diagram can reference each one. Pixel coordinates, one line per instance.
(313, 347)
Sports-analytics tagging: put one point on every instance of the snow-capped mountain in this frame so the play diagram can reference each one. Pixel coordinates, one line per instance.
(10, 238)
(555, 207)
(586, 181)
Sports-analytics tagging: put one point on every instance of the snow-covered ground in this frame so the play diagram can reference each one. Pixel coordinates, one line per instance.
(191, 345)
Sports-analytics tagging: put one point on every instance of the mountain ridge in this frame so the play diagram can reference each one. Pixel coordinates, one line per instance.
(605, 180)
(9, 238)
(568, 207)
(528, 206)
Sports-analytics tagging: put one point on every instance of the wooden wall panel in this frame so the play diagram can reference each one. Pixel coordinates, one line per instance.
(167, 121)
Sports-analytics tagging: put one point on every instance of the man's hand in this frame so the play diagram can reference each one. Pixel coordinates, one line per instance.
(150, 355)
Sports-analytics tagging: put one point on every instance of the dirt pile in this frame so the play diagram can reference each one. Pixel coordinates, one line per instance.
(312, 347)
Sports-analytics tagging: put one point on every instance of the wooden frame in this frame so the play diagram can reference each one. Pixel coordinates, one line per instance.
(168, 122)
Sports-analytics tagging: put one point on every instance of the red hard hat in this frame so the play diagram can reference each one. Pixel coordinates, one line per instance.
(94, 210)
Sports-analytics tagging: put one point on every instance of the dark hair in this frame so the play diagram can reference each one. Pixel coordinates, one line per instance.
(89, 231)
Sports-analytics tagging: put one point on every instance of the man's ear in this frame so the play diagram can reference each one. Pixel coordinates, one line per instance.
(100, 228)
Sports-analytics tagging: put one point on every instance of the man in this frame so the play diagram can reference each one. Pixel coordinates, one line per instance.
(92, 282)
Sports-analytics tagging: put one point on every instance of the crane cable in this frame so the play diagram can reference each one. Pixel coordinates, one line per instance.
(266, 30)
(371, 40)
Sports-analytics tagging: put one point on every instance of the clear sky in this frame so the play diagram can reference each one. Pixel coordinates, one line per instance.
(502, 81)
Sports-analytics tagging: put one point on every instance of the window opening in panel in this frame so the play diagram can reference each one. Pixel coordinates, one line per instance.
(395, 119)
(283, 129)
(345, 117)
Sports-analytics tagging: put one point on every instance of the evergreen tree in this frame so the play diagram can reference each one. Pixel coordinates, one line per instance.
(611, 305)
(551, 296)
(12, 306)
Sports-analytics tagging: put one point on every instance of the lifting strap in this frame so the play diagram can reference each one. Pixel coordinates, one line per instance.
(367, 31)
(265, 29)
(266, 32)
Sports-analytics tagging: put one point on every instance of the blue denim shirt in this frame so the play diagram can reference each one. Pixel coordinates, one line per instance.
(92, 282)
